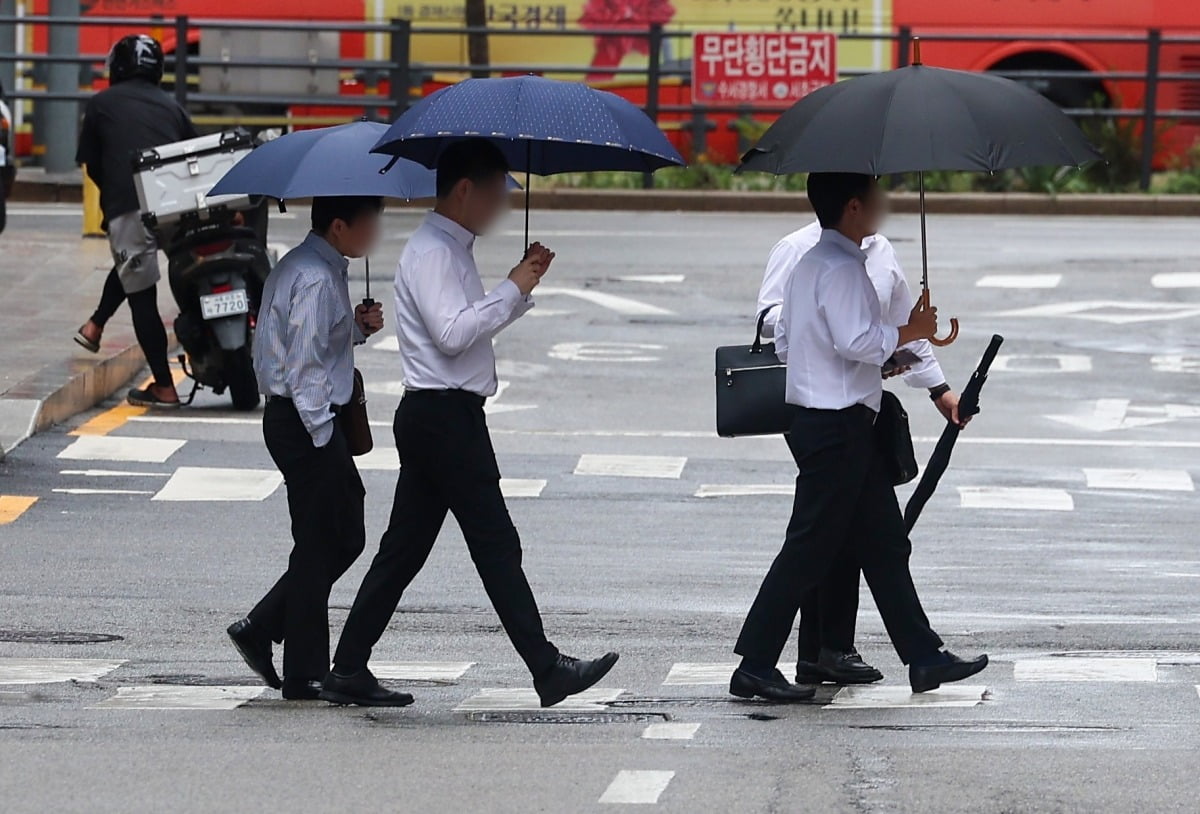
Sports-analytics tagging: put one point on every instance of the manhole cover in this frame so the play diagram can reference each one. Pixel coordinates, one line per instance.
(999, 726)
(56, 637)
(516, 717)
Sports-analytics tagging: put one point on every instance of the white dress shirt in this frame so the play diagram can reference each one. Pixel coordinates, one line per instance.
(444, 319)
(895, 299)
(830, 331)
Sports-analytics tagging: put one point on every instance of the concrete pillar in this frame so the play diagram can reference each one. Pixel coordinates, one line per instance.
(61, 119)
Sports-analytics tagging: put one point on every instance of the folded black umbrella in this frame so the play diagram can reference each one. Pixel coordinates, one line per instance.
(968, 405)
(918, 119)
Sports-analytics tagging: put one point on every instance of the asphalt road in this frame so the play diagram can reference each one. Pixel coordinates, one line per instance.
(1062, 543)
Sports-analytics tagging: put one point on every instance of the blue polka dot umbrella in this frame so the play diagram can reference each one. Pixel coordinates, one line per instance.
(543, 126)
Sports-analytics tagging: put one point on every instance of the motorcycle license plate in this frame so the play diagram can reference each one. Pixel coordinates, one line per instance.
(225, 304)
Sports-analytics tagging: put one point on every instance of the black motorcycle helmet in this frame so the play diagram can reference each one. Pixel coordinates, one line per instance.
(135, 55)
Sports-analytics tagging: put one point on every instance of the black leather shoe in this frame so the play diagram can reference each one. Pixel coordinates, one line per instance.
(301, 690)
(570, 676)
(930, 677)
(846, 667)
(361, 689)
(255, 649)
(776, 688)
(809, 672)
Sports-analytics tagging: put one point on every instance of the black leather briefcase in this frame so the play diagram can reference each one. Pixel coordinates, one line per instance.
(751, 386)
(895, 439)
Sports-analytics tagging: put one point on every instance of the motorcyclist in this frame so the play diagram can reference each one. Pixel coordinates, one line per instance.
(132, 114)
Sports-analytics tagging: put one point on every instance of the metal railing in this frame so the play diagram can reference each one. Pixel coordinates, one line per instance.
(403, 77)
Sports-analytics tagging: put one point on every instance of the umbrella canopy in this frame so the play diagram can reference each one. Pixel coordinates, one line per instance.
(920, 118)
(325, 162)
(543, 126)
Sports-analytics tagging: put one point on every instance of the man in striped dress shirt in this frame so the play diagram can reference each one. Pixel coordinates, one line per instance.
(304, 361)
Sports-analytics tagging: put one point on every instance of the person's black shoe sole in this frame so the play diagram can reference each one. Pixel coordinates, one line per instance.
(344, 700)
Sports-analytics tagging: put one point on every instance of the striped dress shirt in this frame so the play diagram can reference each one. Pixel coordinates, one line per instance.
(304, 342)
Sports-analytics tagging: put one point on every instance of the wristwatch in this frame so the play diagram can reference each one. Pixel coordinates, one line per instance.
(936, 393)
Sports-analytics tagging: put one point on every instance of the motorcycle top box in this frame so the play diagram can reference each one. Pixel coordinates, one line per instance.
(173, 180)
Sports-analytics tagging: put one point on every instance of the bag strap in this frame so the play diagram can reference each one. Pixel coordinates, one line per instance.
(757, 346)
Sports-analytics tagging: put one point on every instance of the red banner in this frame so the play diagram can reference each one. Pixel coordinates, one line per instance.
(733, 69)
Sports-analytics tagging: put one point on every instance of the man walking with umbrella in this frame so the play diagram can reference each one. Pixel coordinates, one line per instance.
(831, 335)
(828, 614)
(446, 322)
(304, 361)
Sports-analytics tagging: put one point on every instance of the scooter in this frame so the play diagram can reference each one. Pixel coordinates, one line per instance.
(216, 267)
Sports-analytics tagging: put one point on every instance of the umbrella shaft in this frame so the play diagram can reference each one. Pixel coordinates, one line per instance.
(924, 244)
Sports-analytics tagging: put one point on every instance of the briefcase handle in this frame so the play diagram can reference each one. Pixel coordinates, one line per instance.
(756, 347)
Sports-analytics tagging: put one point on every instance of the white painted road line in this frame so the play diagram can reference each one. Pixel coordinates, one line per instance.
(522, 487)
(192, 483)
(166, 696)
(421, 670)
(622, 305)
(701, 673)
(1084, 669)
(112, 473)
(1113, 312)
(388, 344)
(1167, 480)
(637, 787)
(1176, 279)
(897, 697)
(382, 459)
(53, 671)
(1019, 281)
(121, 448)
(1042, 363)
(744, 489)
(659, 279)
(526, 700)
(631, 466)
(670, 731)
(1014, 497)
(86, 491)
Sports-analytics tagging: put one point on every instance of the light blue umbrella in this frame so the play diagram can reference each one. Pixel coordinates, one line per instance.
(326, 162)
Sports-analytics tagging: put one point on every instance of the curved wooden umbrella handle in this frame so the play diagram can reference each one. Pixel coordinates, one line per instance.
(941, 343)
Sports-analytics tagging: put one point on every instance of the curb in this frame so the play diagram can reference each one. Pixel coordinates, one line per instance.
(68, 189)
(59, 391)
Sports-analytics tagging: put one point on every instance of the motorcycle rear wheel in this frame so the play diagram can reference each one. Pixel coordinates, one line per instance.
(239, 375)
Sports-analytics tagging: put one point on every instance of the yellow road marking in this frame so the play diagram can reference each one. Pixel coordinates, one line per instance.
(13, 506)
(111, 419)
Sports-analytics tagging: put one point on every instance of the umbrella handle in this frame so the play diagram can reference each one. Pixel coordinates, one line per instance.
(943, 342)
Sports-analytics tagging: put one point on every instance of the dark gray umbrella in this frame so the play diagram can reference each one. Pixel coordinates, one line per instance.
(917, 119)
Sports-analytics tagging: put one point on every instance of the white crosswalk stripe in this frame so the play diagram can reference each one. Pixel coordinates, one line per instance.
(121, 448)
(1086, 669)
(1167, 480)
(51, 671)
(875, 696)
(671, 730)
(526, 700)
(637, 787)
(421, 670)
(631, 466)
(1014, 497)
(696, 673)
(194, 483)
(165, 696)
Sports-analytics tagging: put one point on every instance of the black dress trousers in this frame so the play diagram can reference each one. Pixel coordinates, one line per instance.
(447, 464)
(325, 500)
(843, 498)
(829, 613)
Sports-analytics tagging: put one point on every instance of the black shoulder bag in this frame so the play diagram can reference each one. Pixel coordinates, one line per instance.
(895, 439)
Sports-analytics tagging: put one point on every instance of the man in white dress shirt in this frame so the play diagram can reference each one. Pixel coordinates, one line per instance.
(446, 323)
(834, 341)
(828, 614)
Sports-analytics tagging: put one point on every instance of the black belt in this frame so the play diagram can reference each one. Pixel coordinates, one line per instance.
(333, 408)
(474, 399)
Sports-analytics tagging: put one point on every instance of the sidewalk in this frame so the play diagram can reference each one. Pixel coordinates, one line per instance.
(51, 286)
